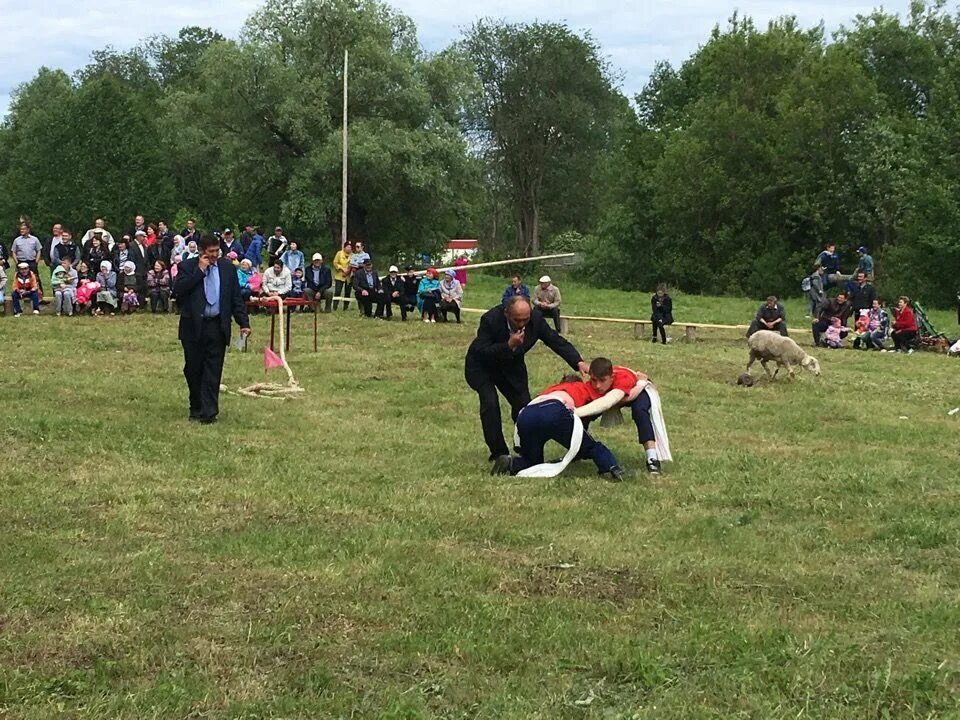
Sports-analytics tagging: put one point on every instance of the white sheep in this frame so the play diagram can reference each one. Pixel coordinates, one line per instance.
(766, 345)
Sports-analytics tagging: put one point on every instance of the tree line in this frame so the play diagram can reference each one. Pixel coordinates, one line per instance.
(726, 174)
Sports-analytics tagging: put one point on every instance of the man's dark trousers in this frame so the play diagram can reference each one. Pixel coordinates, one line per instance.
(203, 368)
(486, 381)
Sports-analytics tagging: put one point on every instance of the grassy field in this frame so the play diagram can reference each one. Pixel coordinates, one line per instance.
(346, 555)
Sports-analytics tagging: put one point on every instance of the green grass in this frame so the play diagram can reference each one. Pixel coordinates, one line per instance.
(346, 555)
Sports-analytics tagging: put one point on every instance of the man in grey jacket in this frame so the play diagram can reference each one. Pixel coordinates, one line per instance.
(815, 294)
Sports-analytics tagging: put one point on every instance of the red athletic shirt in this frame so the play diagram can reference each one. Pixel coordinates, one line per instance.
(579, 392)
(623, 379)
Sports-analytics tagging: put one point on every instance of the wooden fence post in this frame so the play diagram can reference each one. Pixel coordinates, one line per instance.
(564, 326)
(690, 333)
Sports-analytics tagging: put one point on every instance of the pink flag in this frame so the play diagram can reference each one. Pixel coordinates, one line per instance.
(271, 359)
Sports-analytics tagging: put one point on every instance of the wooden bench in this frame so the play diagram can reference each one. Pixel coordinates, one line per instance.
(689, 329)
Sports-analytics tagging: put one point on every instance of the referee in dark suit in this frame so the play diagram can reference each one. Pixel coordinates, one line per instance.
(207, 293)
(495, 361)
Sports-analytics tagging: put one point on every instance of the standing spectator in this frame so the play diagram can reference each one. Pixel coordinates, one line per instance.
(3, 284)
(546, 299)
(190, 232)
(341, 274)
(661, 313)
(139, 225)
(277, 281)
(812, 285)
(150, 239)
(319, 282)
(49, 245)
(862, 296)
(26, 249)
(516, 288)
(107, 294)
(358, 257)
(164, 234)
(411, 284)
(293, 258)
(138, 256)
(254, 252)
(394, 293)
(94, 253)
(66, 248)
(229, 244)
(771, 316)
(368, 290)
(904, 327)
(4, 263)
(451, 295)
(25, 286)
(276, 245)
(158, 287)
(428, 295)
(64, 280)
(121, 252)
(838, 307)
(246, 237)
(105, 237)
(460, 263)
(865, 264)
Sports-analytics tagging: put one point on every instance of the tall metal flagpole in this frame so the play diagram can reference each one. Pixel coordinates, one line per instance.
(343, 207)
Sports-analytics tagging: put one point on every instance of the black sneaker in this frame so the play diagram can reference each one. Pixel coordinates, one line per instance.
(653, 467)
(615, 474)
(501, 465)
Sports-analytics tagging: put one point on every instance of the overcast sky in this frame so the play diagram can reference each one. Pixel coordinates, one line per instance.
(634, 34)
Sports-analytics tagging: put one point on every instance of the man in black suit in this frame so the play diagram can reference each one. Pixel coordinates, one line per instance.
(495, 361)
(369, 289)
(207, 293)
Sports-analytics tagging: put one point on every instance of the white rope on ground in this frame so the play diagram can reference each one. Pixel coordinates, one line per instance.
(275, 391)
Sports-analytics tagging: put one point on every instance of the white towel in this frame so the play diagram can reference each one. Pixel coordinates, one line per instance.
(549, 470)
(659, 426)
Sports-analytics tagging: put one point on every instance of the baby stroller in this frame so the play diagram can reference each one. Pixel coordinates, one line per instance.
(929, 337)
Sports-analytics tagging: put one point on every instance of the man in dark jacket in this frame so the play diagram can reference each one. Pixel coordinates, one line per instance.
(771, 316)
(394, 293)
(837, 307)
(319, 282)
(208, 294)
(495, 361)
(862, 295)
(368, 289)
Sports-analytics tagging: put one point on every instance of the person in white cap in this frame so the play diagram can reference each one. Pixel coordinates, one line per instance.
(394, 293)
(546, 298)
(319, 282)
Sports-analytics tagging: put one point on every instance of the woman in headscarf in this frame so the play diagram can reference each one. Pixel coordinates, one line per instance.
(192, 251)
(179, 248)
(451, 295)
(107, 294)
(244, 273)
(428, 295)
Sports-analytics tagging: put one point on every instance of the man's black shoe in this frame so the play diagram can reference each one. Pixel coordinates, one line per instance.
(615, 474)
(501, 465)
(653, 466)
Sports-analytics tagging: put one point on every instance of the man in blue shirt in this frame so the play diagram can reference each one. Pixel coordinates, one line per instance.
(208, 294)
(516, 288)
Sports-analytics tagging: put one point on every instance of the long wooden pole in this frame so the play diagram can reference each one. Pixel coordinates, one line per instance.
(343, 203)
(496, 263)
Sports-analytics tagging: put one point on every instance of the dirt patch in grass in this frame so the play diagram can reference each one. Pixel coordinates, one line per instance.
(619, 586)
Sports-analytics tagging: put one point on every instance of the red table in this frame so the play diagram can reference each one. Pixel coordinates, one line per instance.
(270, 305)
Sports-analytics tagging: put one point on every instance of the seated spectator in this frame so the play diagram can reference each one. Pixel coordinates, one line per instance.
(64, 281)
(830, 262)
(838, 307)
(834, 335)
(107, 293)
(546, 298)
(177, 251)
(297, 286)
(192, 251)
(865, 264)
(319, 282)
(516, 287)
(25, 286)
(83, 271)
(862, 295)
(293, 258)
(394, 293)
(368, 290)
(277, 282)
(451, 296)
(428, 295)
(904, 327)
(812, 285)
(771, 316)
(878, 325)
(86, 295)
(661, 313)
(158, 288)
(129, 301)
(411, 287)
(244, 272)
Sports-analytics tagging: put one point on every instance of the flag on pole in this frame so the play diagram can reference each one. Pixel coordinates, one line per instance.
(271, 359)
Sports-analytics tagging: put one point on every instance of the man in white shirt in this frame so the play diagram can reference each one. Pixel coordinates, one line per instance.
(277, 281)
